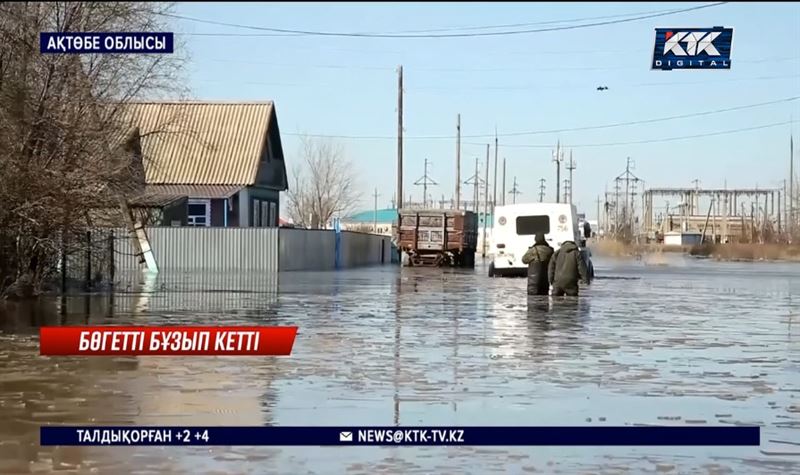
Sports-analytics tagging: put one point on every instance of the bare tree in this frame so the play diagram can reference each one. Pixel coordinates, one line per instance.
(66, 147)
(323, 183)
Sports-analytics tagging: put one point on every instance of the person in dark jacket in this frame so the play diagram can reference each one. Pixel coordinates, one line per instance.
(538, 259)
(566, 268)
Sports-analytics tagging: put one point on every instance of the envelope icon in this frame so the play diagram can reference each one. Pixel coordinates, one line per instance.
(345, 436)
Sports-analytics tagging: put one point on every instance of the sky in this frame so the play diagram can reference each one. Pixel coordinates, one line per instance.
(347, 87)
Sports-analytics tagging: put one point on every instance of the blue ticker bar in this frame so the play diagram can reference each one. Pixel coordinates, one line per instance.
(412, 436)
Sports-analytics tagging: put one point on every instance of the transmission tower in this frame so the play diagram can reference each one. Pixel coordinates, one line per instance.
(476, 181)
(514, 191)
(541, 189)
(425, 181)
(571, 165)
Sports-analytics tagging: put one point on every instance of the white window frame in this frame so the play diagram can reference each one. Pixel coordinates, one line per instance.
(189, 218)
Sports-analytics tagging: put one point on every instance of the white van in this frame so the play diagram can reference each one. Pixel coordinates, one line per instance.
(515, 228)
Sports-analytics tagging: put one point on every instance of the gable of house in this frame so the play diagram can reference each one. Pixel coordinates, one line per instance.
(201, 144)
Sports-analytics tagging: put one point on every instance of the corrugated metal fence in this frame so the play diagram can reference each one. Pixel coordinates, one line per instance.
(268, 250)
(209, 249)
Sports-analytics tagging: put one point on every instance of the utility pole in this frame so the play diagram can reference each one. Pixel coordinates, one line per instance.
(425, 181)
(696, 198)
(494, 182)
(458, 162)
(541, 189)
(475, 180)
(557, 159)
(599, 220)
(477, 184)
(616, 208)
(566, 190)
(485, 201)
(515, 191)
(504, 182)
(572, 166)
(375, 213)
(400, 138)
(790, 199)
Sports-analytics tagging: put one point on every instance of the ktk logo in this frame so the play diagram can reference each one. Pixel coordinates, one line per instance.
(692, 48)
(696, 43)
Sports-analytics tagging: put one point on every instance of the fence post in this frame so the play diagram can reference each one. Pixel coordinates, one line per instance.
(88, 284)
(63, 263)
(337, 241)
(111, 269)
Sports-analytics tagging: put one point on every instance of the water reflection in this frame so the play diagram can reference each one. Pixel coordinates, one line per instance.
(422, 347)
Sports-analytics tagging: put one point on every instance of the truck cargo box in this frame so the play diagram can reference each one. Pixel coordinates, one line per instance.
(438, 236)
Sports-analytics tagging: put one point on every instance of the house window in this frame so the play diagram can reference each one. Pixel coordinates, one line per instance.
(264, 215)
(256, 213)
(199, 213)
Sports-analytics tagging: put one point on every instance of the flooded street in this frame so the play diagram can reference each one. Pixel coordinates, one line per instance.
(686, 343)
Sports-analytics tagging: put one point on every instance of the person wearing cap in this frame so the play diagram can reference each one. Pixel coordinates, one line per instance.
(538, 258)
(566, 268)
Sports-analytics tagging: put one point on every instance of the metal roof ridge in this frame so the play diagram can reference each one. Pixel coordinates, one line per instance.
(203, 102)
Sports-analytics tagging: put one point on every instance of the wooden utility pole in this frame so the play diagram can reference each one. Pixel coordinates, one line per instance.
(458, 162)
(375, 213)
(485, 202)
(494, 182)
(400, 138)
(514, 191)
(504, 182)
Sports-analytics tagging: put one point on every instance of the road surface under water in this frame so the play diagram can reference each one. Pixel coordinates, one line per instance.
(683, 342)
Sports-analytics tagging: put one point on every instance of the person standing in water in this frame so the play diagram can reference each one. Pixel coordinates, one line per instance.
(566, 268)
(538, 260)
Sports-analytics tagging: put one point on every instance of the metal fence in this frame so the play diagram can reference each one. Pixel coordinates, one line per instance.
(203, 249)
(183, 251)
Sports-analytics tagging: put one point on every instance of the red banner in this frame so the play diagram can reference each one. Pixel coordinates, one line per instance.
(166, 341)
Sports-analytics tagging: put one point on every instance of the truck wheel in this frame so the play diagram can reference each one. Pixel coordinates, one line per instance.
(491, 270)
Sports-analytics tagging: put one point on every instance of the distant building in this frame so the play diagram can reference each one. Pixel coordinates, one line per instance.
(225, 159)
(364, 221)
(676, 238)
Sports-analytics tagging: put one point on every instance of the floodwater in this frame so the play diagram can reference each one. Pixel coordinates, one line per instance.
(682, 342)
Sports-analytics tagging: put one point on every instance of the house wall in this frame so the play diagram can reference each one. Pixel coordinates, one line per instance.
(217, 213)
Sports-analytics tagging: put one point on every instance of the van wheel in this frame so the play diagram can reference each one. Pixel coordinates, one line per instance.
(491, 270)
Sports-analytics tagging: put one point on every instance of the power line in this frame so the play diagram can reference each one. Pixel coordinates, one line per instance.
(446, 35)
(462, 70)
(669, 139)
(553, 131)
(519, 25)
(529, 87)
